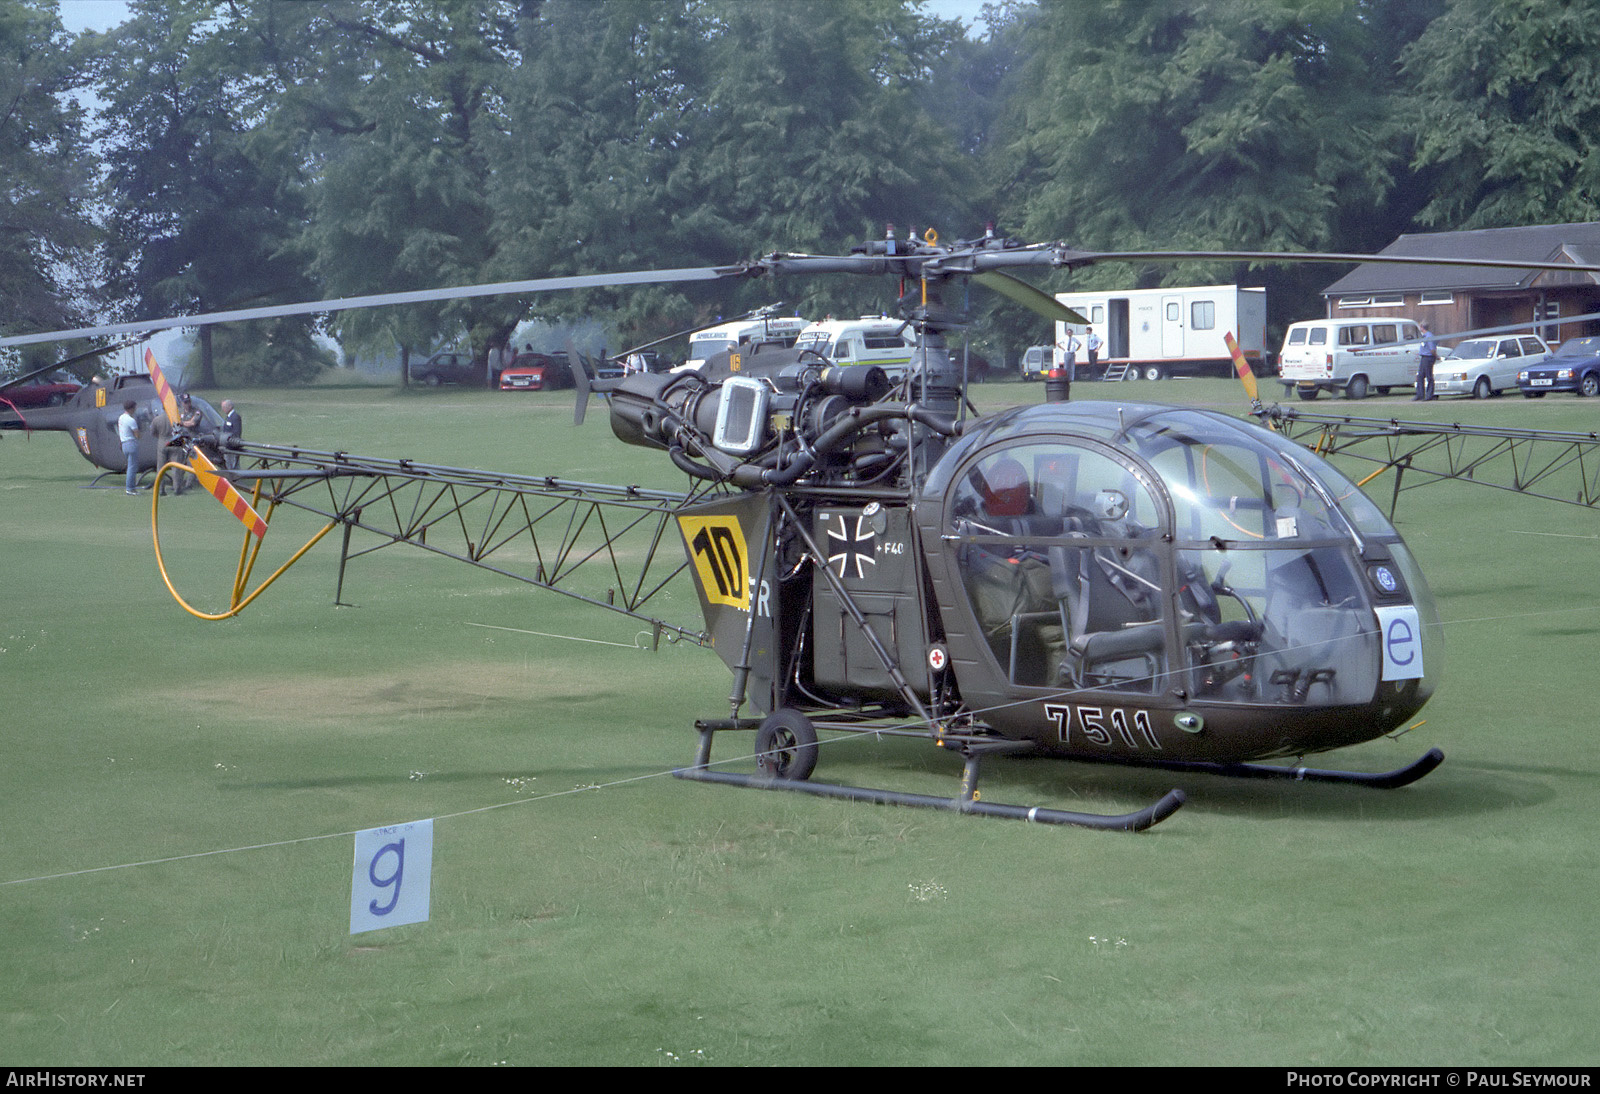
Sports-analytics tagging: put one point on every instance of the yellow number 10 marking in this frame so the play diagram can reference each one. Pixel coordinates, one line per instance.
(721, 560)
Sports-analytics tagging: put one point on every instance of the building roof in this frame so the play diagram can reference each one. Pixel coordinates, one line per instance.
(1538, 243)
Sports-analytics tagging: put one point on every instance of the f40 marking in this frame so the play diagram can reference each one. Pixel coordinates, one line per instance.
(1103, 726)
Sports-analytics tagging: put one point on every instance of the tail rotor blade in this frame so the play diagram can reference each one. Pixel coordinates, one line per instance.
(1246, 377)
(169, 401)
(225, 493)
(580, 380)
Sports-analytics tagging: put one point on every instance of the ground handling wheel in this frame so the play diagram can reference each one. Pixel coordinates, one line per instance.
(786, 745)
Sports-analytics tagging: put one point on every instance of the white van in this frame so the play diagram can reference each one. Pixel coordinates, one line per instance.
(769, 331)
(1036, 361)
(1349, 355)
(870, 340)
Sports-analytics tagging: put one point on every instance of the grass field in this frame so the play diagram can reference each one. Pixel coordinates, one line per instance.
(177, 803)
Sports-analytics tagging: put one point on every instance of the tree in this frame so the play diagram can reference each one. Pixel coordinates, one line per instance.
(1504, 110)
(1203, 125)
(205, 206)
(404, 104)
(595, 167)
(820, 134)
(1214, 124)
(46, 177)
(646, 135)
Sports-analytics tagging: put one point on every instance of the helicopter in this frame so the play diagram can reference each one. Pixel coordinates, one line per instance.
(90, 416)
(1101, 582)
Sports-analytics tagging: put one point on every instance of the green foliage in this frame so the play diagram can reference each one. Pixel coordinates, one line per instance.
(205, 204)
(262, 352)
(595, 167)
(1241, 124)
(46, 234)
(818, 137)
(1505, 108)
(677, 134)
(404, 109)
(259, 151)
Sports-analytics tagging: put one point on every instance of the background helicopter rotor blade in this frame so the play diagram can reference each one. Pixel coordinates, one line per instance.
(86, 355)
(766, 310)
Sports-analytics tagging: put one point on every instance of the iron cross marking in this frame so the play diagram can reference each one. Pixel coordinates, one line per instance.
(846, 548)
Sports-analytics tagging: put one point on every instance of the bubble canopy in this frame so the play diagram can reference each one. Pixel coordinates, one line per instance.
(1161, 550)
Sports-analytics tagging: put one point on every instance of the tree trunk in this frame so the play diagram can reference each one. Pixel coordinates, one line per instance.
(208, 368)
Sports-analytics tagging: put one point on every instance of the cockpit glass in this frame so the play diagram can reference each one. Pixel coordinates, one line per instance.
(1059, 547)
(702, 349)
(1239, 485)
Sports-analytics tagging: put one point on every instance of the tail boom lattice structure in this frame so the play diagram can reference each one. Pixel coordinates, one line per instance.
(1557, 466)
(615, 547)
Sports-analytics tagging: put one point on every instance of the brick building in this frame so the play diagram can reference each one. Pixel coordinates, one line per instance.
(1454, 299)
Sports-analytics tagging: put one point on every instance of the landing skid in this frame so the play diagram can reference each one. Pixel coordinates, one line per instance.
(966, 802)
(1379, 780)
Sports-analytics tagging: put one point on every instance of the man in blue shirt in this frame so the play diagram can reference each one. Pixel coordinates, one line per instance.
(1425, 361)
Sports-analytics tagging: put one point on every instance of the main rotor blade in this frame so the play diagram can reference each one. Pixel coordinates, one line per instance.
(1035, 300)
(922, 261)
(459, 292)
(1057, 255)
(768, 310)
(100, 352)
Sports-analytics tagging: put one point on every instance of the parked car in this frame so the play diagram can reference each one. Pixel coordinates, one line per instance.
(604, 368)
(1573, 367)
(1483, 366)
(447, 368)
(52, 389)
(535, 372)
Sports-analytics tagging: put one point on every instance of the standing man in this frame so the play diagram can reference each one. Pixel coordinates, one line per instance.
(1425, 361)
(1094, 345)
(186, 427)
(1069, 354)
(128, 434)
(232, 430)
(497, 364)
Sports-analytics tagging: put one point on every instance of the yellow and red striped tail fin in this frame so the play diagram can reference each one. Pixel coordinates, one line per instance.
(224, 491)
(169, 401)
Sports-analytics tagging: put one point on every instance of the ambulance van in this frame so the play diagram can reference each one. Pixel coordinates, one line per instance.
(751, 333)
(869, 340)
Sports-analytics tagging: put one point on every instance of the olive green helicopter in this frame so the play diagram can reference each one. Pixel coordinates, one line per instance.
(1099, 581)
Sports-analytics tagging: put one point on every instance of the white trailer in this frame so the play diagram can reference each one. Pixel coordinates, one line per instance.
(1152, 334)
